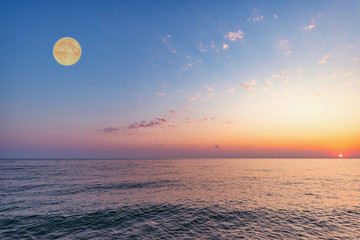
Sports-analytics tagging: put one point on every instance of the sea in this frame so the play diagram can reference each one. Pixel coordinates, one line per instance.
(180, 199)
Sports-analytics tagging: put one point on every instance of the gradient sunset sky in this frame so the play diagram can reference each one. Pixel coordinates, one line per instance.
(181, 79)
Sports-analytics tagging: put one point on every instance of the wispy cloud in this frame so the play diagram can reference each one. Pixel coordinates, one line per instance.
(132, 128)
(275, 16)
(279, 74)
(203, 119)
(268, 85)
(168, 121)
(146, 124)
(308, 28)
(312, 25)
(111, 130)
(202, 48)
(188, 121)
(191, 62)
(225, 123)
(208, 88)
(206, 119)
(166, 41)
(256, 19)
(302, 70)
(245, 86)
(173, 112)
(188, 66)
(248, 85)
(160, 94)
(234, 36)
(225, 46)
(284, 46)
(231, 90)
(324, 58)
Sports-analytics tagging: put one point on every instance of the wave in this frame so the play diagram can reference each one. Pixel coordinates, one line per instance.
(75, 189)
(168, 221)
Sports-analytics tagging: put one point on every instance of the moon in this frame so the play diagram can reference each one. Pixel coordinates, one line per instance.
(67, 51)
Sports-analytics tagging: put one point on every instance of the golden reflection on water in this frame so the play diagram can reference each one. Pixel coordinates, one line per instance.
(249, 183)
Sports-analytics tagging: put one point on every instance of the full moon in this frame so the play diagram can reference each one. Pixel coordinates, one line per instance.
(67, 51)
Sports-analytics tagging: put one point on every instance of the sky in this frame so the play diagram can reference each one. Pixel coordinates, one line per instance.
(170, 79)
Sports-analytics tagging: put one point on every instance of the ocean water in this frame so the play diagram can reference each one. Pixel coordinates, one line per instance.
(180, 199)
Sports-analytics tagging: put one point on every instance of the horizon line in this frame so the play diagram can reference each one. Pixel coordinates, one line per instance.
(169, 158)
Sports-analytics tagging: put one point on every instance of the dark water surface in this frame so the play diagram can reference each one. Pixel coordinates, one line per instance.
(180, 199)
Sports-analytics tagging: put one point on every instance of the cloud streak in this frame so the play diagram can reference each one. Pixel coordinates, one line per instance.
(144, 124)
(166, 42)
(167, 121)
(111, 130)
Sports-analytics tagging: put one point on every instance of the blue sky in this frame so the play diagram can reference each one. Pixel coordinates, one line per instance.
(228, 61)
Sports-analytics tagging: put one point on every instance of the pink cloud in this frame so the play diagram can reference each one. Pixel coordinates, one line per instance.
(324, 58)
(208, 88)
(309, 27)
(248, 85)
(279, 74)
(268, 84)
(245, 86)
(234, 36)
